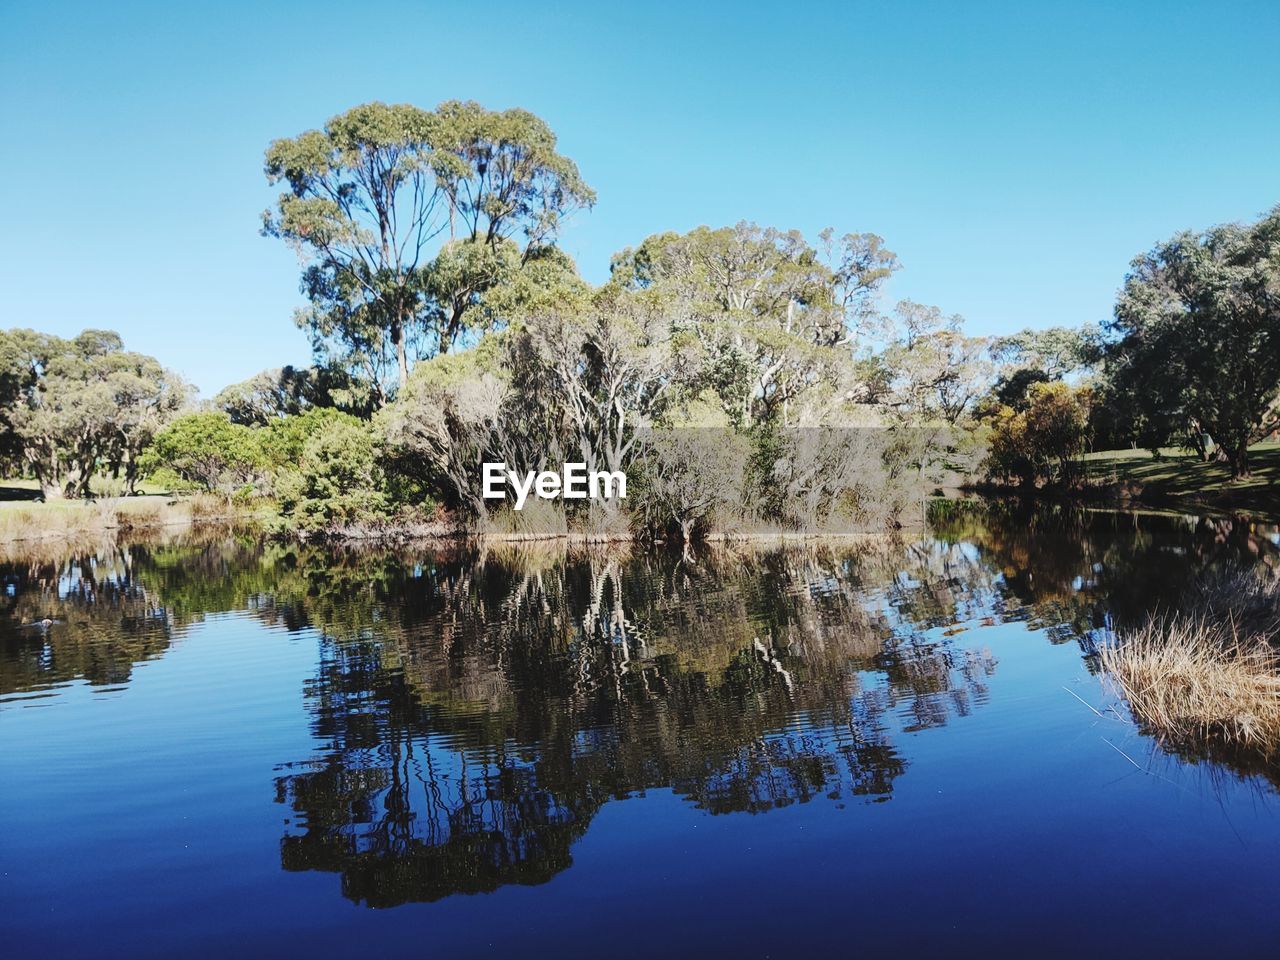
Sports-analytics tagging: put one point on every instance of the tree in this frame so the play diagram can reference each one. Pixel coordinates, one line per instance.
(1054, 351)
(773, 316)
(84, 405)
(608, 371)
(282, 440)
(450, 418)
(686, 474)
(372, 194)
(1043, 440)
(578, 382)
(338, 478)
(266, 396)
(206, 451)
(24, 354)
(1197, 336)
(932, 369)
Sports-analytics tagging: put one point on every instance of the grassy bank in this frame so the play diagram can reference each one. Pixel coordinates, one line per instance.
(35, 521)
(1178, 476)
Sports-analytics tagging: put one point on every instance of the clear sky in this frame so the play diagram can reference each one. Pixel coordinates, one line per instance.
(1015, 155)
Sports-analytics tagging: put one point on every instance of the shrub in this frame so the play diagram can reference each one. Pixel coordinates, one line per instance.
(338, 479)
(1211, 674)
(205, 451)
(284, 438)
(684, 476)
(1042, 440)
(1193, 679)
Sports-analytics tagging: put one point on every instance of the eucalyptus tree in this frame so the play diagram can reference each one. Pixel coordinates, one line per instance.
(266, 396)
(580, 381)
(404, 217)
(609, 369)
(1055, 351)
(452, 416)
(932, 369)
(1197, 335)
(23, 356)
(772, 315)
(86, 406)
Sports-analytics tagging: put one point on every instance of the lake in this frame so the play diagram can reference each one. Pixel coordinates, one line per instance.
(861, 746)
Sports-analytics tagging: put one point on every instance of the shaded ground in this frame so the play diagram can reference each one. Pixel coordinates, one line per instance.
(1179, 475)
(28, 490)
(19, 490)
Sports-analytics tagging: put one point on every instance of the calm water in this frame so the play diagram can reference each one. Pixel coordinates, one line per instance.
(224, 748)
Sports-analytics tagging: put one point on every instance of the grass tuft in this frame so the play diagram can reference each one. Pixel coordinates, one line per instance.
(1209, 676)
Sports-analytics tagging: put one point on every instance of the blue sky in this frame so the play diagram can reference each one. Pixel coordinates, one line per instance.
(1015, 155)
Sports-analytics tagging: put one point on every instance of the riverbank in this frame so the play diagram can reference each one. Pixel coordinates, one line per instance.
(1175, 480)
(1178, 477)
(33, 521)
(24, 519)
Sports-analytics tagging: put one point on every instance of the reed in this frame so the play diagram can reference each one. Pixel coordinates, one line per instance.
(1209, 675)
(74, 520)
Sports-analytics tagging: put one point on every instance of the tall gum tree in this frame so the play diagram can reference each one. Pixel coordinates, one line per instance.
(404, 217)
(772, 314)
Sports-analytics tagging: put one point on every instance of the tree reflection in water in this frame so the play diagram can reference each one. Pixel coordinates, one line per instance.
(474, 732)
(476, 708)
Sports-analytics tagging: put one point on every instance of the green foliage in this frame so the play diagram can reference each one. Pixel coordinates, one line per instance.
(1054, 351)
(338, 479)
(282, 441)
(774, 320)
(206, 451)
(1196, 344)
(370, 200)
(1014, 389)
(1041, 441)
(76, 407)
(267, 396)
(931, 371)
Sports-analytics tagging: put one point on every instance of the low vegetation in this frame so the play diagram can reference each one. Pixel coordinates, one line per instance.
(73, 520)
(1210, 675)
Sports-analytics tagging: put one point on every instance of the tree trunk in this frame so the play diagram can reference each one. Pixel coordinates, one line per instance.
(1240, 460)
(686, 536)
(402, 355)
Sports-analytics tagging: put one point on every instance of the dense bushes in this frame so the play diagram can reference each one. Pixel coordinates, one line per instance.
(338, 478)
(322, 468)
(205, 451)
(1041, 440)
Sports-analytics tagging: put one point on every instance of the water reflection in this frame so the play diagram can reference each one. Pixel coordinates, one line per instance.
(474, 709)
(475, 731)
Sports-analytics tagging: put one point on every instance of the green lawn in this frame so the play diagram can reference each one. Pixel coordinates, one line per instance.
(1179, 473)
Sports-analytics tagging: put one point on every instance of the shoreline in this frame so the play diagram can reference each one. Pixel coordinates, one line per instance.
(1263, 503)
(40, 522)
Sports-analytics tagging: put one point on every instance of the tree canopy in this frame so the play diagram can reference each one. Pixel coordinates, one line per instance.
(404, 217)
(80, 406)
(1196, 338)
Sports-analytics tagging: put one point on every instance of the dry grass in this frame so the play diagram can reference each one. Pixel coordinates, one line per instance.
(1194, 681)
(1209, 676)
(74, 520)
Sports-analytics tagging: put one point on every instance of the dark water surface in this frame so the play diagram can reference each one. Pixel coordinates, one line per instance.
(220, 748)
